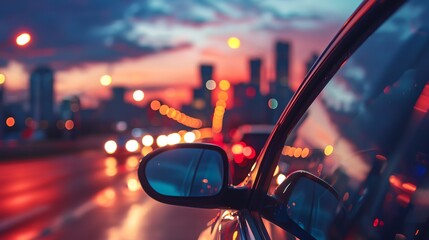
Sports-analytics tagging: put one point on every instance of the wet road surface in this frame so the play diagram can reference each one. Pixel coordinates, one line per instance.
(87, 195)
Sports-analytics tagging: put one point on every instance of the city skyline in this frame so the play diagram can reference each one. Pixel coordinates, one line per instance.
(79, 62)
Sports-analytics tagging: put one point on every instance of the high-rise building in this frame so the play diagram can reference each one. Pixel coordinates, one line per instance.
(282, 63)
(255, 71)
(42, 96)
(202, 96)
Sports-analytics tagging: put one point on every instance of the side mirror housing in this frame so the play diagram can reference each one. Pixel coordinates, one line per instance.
(304, 205)
(189, 174)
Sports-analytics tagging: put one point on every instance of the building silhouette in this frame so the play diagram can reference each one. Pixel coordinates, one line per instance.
(282, 53)
(70, 110)
(42, 97)
(201, 105)
(255, 71)
(202, 96)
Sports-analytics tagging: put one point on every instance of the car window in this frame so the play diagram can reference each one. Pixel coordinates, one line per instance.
(366, 134)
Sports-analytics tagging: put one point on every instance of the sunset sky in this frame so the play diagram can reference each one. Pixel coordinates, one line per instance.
(157, 45)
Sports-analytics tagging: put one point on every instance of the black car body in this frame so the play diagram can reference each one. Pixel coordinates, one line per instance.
(357, 128)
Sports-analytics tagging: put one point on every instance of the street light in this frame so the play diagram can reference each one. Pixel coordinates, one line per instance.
(23, 39)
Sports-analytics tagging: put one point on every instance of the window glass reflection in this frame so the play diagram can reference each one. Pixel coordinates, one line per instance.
(367, 132)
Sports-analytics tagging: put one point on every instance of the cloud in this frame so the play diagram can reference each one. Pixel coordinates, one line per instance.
(70, 33)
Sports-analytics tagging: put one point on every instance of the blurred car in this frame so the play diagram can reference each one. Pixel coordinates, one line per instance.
(122, 145)
(247, 142)
(357, 131)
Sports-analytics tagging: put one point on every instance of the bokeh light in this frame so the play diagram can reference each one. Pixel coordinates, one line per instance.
(121, 126)
(147, 140)
(132, 145)
(106, 80)
(162, 141)
(2, 78)
(328, 150)
(69, 125)
(189, 137)
(211, 85)
(138, 95)
(273, 103)
(224, 85)
(133, 185)
(173, 138)
(23, 39)
(146, 150)
(280, 178)
(305, 152)
(155, 105)
(110, 147)
(10, 121)
(163, 109)
(234, 42)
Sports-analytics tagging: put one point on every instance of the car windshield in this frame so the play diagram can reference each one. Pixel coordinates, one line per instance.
(367, 133)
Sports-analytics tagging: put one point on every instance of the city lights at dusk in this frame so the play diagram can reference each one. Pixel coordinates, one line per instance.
(141, 50)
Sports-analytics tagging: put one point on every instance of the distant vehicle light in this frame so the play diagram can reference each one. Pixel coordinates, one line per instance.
(146, 150)
(133, 185)
(328, 150)
(138, 95)
(132, 145)
(249, 152)
(237, 148)
(189, 137)
(110, 147)
(147, 140)
(162, 141)
(173, 138)
(280, 178)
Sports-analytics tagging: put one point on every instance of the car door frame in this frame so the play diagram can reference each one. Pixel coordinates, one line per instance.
(360, 25)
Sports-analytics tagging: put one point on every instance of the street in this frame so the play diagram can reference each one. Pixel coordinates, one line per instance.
(87, 195)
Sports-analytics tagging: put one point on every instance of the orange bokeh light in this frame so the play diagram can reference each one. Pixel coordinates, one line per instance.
(69, 124)
(10, 121)
(155, 105)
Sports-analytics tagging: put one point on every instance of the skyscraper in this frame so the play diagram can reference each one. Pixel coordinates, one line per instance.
(282, 63)
(255, 71)
(42, 96)
(203, 94)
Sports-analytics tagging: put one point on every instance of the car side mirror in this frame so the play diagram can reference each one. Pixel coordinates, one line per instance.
(192, 174)
(305, 205)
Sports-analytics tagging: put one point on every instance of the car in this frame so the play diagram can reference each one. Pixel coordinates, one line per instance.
(351, 146)
(121, 145)
(247, 141)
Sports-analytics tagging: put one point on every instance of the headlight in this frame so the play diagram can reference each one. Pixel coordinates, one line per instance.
(110, 147)
(189, 137)
(147, 140)
(162, 141)
(132, 145)
(280, 178)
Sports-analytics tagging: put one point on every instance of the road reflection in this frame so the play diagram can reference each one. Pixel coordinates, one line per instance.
(87, 196)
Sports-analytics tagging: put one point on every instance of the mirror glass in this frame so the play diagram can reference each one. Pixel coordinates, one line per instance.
(186, 172)
(313, 207)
